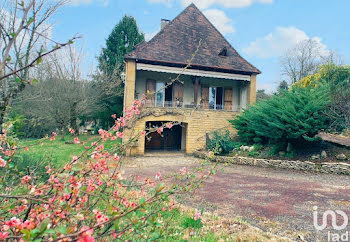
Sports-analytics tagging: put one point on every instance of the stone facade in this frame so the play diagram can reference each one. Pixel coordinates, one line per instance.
(195, 125)
(329, 168)
(217, 84)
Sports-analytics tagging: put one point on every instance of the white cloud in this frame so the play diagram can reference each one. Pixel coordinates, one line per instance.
(203, 4)
(220, 20)
(217, 17)
(150, 35)
(87, 2)
(268, 87)
(277, 42)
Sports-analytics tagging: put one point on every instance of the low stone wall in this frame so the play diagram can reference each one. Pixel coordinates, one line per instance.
(329, 168)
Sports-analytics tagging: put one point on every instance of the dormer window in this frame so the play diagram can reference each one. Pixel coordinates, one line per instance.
(223, 52)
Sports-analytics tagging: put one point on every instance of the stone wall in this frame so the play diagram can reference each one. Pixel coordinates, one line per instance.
(329, 168)
(196, 123)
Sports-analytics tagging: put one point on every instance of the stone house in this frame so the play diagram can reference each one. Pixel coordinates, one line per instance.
(216, 86)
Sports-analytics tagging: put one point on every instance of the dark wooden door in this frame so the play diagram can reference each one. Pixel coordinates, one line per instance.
(150, 91)
(178, 93)
(228, 98)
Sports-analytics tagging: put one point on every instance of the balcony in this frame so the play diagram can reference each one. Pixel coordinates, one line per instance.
(184, 105)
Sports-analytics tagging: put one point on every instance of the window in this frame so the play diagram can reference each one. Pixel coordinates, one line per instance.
(223, 52)
(168, 95)
(160, 94)
(216, 98)
(164, 96)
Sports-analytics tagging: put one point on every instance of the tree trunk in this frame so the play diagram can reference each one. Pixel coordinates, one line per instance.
(62, 133)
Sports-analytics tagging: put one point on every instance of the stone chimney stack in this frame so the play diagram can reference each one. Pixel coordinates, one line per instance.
(164, 22)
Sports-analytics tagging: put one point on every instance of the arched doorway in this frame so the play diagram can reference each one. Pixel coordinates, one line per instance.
(171, 139)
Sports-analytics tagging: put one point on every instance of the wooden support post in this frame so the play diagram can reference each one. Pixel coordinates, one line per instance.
(196, 87)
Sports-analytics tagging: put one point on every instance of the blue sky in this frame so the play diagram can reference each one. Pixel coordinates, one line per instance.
(260, 30)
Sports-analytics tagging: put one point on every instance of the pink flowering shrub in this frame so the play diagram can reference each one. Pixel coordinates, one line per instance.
(90, 198)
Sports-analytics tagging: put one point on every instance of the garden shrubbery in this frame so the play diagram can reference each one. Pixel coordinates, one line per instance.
(221, 142)
(292, 117)
(337, 79)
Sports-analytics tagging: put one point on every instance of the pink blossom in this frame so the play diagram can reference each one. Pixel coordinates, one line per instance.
(116, 157)
(183, 170)
(100, 148)
(76, 140)
(74, 160)
(160, 130)
(143, 133)
(26, 148)
(128, 116)
(158, 176)
(68, 167)
(116, 126)
(122, 121)
(102, 132)
(169, 125)
(125, 202)
(87, 235)
(120, 134)
(26, 179)
(137, 102)
(100, 182)
(72, 179)
(54, 134)
(2, 162)
(4, 235)
(197, 215)
(116, 194)
(13, 222)
(114, 116)
(71, 131)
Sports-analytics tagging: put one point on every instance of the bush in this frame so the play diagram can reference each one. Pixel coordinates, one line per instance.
(221, 143)
(338, 80)
(33, 165)
(292, 117)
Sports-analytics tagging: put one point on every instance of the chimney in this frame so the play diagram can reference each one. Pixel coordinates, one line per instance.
(164, 22)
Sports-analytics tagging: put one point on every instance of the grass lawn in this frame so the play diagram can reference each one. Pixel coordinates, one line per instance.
(182, 226)
(58, 151)
(212, 228)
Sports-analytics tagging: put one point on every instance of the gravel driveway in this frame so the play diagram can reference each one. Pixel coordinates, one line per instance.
(278, 201)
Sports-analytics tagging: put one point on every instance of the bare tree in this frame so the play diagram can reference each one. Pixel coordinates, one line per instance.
(62, 95)
(302, 60)
(108, 90)
(24, 40)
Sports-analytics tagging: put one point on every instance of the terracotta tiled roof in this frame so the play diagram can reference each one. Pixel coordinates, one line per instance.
(179, 39)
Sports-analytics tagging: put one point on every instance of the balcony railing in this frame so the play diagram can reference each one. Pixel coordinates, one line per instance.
(178, 104)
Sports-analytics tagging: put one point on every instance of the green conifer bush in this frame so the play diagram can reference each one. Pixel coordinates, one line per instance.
(294, 116)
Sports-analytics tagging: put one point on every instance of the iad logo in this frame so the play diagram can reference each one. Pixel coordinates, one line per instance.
(333, 218)
(333, 215)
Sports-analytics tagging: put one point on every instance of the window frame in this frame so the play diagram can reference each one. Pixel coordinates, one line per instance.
(158, 92)
(215, 98)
